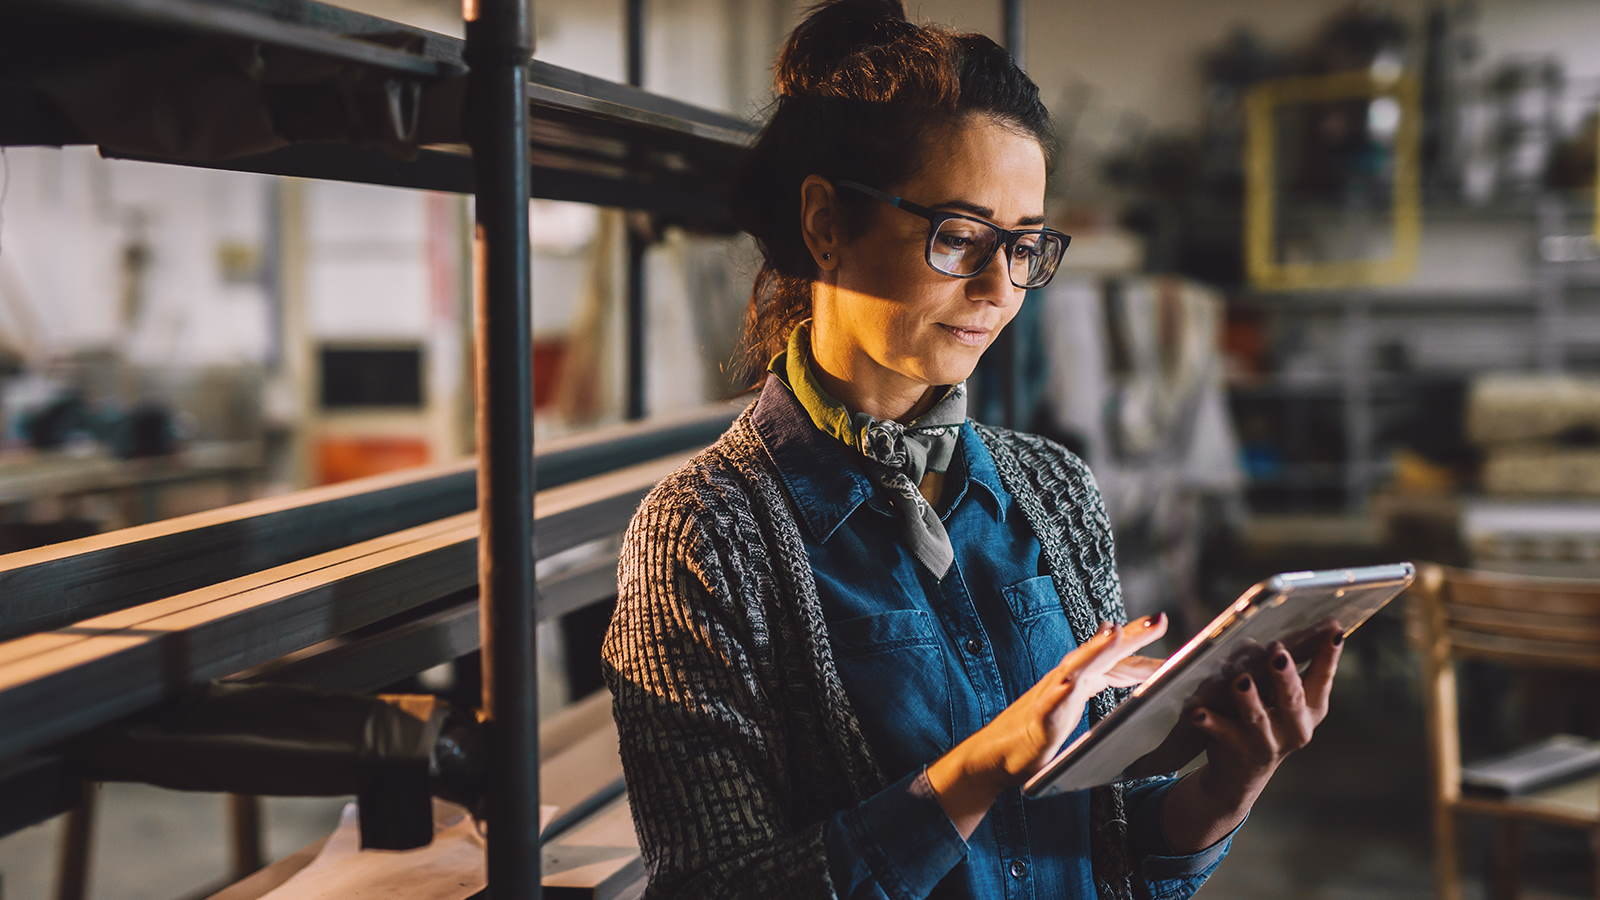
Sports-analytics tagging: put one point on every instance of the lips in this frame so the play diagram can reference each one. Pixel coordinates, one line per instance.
(972, 337)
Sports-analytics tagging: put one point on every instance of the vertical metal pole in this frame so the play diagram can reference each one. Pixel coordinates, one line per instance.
(1005, 372)
(1015, 17)
(636, 243)
(499, 44)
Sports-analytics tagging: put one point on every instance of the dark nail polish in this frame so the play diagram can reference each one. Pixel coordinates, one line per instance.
(1281, 662)
(1338, 638)
(1243, 684)
(1153, 621)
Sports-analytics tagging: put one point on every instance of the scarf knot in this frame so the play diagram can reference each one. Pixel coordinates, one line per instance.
(884, 441)
(898, 456)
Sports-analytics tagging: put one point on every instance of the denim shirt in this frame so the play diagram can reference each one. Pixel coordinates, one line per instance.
(927, 662)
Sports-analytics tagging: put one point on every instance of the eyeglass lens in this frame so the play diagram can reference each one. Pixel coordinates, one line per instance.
(961, 247)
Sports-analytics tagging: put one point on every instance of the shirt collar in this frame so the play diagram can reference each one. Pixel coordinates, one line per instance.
(826, 479)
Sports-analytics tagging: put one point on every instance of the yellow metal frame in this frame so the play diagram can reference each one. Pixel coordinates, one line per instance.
(1260, 223)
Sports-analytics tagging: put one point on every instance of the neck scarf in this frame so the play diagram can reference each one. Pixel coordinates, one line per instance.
(898, 456)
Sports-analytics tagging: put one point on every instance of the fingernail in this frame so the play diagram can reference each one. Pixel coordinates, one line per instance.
(1105, 627)
(1338, 638)
(1243, 684)
(1281, 662)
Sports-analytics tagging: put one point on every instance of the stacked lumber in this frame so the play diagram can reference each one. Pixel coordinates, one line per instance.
(350, 587)
(1540, 434)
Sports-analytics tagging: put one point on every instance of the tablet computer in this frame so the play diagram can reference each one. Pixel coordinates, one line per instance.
(1294, 607)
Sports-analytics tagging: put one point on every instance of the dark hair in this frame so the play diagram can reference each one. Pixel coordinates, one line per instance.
(857, 86)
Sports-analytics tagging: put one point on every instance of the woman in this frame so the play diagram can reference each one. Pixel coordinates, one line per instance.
(850, 629)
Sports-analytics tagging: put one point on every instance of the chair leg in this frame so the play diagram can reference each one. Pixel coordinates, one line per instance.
(72, 873)
(244, 815)
(1446, 874)
(1507, 860)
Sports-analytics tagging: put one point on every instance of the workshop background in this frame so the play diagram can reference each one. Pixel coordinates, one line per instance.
(1333, 298)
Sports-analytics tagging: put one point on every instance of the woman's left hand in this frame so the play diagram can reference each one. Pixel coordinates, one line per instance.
(1274, 712)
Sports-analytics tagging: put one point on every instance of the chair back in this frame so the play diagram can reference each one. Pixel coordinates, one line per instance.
(1521, 621)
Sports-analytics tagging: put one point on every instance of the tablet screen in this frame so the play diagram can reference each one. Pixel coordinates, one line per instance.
(1295, 608)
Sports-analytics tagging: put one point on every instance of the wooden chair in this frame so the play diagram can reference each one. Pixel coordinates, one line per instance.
(1520, 622)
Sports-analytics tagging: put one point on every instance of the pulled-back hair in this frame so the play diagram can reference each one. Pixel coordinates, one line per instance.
(860, 91)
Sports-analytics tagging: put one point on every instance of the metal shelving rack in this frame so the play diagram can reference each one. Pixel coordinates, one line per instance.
(1561, 281)
(474, 116)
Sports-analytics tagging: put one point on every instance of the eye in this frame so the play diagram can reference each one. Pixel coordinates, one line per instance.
(1031, 246)
(955, 236)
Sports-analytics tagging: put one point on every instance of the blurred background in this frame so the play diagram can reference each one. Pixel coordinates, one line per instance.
(1333, 298)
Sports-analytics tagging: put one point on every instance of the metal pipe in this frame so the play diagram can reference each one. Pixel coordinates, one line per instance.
(499, 46)
(1010, 376)
(1015, 17)
(635, 315)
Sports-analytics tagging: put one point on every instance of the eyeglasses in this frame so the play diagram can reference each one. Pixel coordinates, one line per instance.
(962, 246)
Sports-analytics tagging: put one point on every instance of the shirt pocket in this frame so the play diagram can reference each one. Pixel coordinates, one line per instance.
(893, 667)
(1041, 623)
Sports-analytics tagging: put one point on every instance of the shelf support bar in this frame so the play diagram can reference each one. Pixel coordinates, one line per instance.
(498, 49)
(637, 243)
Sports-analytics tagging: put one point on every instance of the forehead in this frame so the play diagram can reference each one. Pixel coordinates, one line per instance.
(983, 162)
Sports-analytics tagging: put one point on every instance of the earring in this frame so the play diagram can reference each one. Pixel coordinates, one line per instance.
(827, 256)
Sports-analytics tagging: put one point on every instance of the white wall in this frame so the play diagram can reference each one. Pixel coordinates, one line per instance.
(68, 216)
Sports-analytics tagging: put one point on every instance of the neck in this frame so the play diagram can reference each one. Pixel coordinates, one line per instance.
(849, 375)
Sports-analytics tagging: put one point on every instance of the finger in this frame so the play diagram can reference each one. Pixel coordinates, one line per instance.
(1318, 679)
(1072, 661)
(1288, 711)
(1127, 639)
(1282, 679)
(1219, 729)
(1253, 718)
(1133, 671)
(1088, 664)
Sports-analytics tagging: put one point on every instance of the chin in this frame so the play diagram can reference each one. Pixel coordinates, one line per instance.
(948, 371)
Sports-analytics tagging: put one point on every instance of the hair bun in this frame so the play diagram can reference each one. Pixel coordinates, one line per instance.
(813, 60)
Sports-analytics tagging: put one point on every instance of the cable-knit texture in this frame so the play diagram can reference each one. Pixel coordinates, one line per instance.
(738, 738)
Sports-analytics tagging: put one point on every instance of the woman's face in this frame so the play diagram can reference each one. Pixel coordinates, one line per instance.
(889, 311)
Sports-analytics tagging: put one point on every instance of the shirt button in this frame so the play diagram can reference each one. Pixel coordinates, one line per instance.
(1019, 869)
(974, 646)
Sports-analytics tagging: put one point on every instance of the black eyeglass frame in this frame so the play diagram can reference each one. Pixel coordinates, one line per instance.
(936, 217)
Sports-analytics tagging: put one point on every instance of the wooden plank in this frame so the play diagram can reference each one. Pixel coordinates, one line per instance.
(49, 587)
(581, 778)
(582, 729)
(598, 858)
(567, 726)
(93, 674)
(415, 643)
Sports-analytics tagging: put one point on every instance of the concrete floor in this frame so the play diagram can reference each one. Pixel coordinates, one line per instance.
(1346, 819)
(154, 844)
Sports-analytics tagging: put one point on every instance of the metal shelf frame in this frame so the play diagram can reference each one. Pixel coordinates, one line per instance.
(476, 116)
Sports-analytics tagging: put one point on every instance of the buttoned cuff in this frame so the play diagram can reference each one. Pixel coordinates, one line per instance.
(1157, 861)
(905, 837)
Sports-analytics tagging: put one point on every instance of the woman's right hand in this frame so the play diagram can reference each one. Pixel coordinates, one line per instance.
(1026, 735)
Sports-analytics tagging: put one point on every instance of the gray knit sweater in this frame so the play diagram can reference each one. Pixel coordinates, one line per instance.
(738, 738)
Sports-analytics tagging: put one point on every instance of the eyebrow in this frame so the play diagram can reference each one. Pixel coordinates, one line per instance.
(984, 212)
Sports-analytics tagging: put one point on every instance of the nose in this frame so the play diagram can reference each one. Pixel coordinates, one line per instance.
(993, 284)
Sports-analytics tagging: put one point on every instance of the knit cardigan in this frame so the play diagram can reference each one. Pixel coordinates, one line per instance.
(737, 736)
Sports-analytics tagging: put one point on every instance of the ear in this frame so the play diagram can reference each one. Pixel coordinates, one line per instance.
(820, 221)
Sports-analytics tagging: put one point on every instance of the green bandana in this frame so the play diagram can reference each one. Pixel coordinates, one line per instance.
(898, 455)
